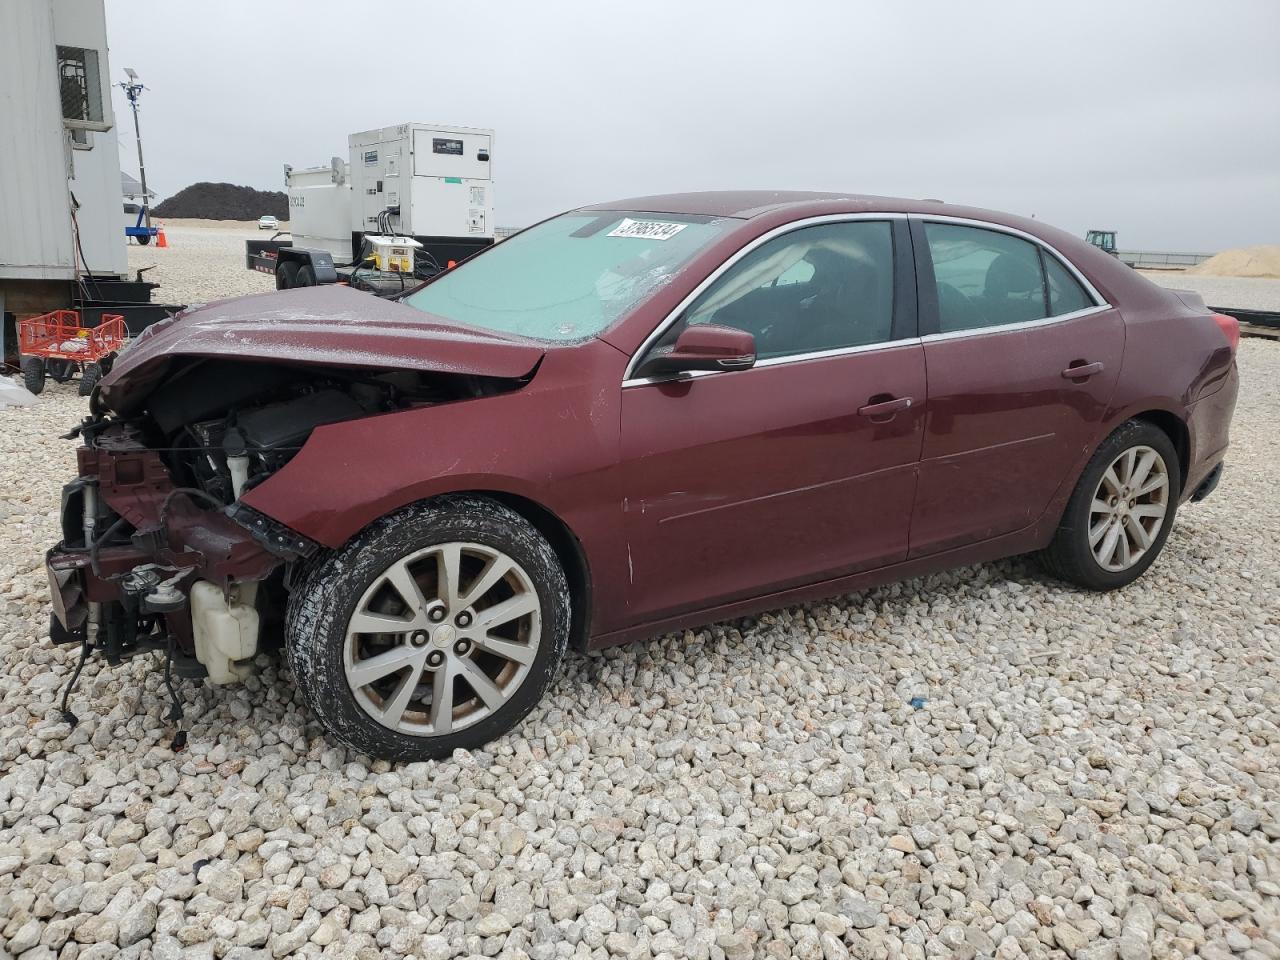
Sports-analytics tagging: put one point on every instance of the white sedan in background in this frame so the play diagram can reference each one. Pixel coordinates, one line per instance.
(268, 223)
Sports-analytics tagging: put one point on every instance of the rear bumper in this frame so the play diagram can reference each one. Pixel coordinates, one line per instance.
(1209, 425)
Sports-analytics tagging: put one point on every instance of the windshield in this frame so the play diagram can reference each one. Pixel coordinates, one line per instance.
(571, 277)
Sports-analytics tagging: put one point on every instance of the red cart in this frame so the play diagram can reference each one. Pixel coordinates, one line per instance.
(56, 344)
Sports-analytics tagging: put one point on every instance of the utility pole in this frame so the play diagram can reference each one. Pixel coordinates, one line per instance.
(132, 88)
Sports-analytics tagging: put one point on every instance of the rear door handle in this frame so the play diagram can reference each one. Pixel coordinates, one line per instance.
(882, 410)
(1082, 371)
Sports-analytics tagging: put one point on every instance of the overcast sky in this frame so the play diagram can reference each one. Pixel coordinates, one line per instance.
(1160, 120)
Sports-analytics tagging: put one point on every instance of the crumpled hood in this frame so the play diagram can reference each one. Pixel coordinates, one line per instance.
(331, 325)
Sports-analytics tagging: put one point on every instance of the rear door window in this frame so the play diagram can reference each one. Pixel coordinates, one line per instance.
(984, 278)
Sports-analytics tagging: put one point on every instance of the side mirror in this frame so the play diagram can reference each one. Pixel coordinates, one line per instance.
(703, 346)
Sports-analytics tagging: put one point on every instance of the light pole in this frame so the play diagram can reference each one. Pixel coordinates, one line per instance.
(132, 88)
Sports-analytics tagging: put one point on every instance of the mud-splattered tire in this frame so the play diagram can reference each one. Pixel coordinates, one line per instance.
(461, 582)
(1113, 529)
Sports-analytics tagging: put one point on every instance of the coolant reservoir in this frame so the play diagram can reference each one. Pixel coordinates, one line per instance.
(224, 632)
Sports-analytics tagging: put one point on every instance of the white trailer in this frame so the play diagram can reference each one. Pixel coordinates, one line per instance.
(417, 186)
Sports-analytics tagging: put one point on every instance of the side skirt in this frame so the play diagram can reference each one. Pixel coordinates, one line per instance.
(1026, 540)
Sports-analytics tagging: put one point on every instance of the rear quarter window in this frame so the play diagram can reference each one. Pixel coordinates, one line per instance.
(1065, 293)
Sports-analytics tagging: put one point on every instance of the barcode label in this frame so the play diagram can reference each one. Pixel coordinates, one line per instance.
(646, 229)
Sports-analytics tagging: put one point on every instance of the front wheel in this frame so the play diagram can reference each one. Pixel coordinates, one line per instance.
(435, 629)
(33, 371)
(1121, 511)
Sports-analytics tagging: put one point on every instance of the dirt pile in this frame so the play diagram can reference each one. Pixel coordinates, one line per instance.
(224, 201)
(1263, 261)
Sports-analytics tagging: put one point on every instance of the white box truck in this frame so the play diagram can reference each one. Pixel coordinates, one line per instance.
(407, 201)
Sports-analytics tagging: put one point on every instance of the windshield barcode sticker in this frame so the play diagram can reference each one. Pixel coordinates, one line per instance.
(646, 229)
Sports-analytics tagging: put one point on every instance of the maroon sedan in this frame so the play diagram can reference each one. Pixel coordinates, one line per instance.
(628, 419)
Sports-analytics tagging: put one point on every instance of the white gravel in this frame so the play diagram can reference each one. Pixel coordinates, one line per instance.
(204, 261)
(1091, 776)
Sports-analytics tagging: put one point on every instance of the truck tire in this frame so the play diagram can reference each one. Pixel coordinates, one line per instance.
(33, 373)
(89, 378)
(306, 276)
(437, 628)
(286, 274)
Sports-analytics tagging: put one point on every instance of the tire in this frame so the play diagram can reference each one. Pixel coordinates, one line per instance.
(144, 238)
(89, 378)
(286, 275)
(323, 643)
(59, 370)
(33, 373)
(306, 276)
(1072, 557)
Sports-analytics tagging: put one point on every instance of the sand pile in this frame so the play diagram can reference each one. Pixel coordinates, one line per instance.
(1261, 261)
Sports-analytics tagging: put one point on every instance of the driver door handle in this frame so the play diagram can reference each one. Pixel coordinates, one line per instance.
(881, 410)
(1082, 371)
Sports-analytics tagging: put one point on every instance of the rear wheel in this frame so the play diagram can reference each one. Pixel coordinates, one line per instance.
(33, 373)
(286, 275)
(1121, 511)
(306, 276)
(435, 629)
(89, 378)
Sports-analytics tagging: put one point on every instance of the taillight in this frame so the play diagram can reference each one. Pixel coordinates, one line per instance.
(1230, 328)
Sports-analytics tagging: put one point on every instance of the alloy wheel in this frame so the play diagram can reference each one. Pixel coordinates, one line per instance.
(442, 639)
(1128, 508)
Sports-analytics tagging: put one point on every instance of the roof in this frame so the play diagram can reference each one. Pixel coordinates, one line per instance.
(745, 204)
(778, 207)
(784, 205)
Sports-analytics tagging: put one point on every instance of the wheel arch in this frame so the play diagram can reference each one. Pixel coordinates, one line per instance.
(573, 558)
(1176, 429)
(568, 549)
(1171, 423)
(320, 262)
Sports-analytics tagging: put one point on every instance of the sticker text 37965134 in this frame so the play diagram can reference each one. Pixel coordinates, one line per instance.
(646, 229)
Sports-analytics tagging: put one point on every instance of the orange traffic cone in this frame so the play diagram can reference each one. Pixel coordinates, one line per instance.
(160, 240)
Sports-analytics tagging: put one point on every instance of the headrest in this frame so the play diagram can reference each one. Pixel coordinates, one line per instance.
(1009, 274)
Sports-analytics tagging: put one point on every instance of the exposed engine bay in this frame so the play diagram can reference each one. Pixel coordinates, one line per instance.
(226, 426)
(156, 552)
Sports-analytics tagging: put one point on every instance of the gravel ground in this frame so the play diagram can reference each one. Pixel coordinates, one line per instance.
(204, 261)
(1081, 775)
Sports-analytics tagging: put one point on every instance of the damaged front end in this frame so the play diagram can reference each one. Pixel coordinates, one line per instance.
(158, 552)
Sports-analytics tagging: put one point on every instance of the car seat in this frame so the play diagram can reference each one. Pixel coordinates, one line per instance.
(1014, 290)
